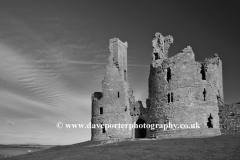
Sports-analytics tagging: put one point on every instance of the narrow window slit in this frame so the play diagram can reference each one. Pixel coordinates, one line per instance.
(103, 129)
(169, 99)
(204, 94)
(203, 72)
(168, 74)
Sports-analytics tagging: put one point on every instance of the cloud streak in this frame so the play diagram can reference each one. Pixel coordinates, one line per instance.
(10, 122)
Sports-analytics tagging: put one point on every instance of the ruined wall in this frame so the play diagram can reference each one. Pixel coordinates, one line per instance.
(112, 105)
(139, 116)
(183, 91)
(229, 118)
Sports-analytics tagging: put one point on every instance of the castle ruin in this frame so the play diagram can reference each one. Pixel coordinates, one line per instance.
(181, 91)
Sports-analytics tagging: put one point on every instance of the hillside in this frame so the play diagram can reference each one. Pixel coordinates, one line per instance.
(220, 147)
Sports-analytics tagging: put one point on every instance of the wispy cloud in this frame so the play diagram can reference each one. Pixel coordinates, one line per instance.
(10, 122)
(71, 62)
(47, 74)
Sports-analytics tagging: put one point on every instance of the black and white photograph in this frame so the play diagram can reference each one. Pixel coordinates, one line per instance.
(120, 79)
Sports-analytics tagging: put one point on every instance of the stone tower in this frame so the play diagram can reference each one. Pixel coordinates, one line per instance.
(111, 106)
(183, 91)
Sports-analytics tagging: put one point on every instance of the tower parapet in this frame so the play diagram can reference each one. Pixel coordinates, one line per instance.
(118, 56)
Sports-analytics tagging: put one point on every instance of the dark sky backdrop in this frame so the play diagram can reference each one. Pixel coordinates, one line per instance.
(53, 56)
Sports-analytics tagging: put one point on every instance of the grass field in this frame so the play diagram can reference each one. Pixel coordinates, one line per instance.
(15, 151)
(220, 147)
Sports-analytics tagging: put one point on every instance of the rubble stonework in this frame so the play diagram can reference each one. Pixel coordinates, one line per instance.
(181, 91)
(229, 118)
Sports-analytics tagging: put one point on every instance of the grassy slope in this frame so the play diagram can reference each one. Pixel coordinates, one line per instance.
(16, 151)
(221, 147)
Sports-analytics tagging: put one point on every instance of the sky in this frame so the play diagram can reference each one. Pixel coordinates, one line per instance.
(53, 56)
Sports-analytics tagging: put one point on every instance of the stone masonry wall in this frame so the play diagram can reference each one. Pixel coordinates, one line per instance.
(111, 106)
(183, 91)
(229, 118)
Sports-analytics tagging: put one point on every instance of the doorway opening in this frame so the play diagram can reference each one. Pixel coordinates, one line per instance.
(140, 132)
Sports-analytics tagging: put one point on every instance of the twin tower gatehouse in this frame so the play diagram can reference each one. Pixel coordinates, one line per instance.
(181, 91)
